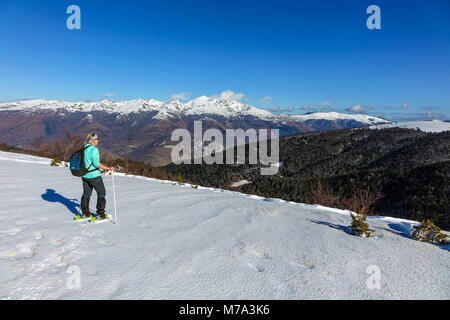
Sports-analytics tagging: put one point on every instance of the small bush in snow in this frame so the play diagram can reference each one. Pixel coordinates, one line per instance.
(427, 231)
(105, 171)
(179, 179)
(360, 226)
(55, 162)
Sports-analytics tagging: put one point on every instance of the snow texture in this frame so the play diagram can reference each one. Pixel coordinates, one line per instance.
(178, 242)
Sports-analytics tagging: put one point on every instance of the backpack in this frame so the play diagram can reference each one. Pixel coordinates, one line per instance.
(77, 166)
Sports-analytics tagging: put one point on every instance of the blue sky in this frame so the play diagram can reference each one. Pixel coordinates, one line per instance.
(301, 55)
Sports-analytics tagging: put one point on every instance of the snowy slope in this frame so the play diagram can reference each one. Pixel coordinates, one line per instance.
(83, 106)
(333, 116)
(178, 242)
(175, 108)
(427, 126)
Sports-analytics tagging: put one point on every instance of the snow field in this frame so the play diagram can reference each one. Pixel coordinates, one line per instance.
(178, 242)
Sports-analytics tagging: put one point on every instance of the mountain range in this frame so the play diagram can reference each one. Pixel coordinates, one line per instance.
(141, 128)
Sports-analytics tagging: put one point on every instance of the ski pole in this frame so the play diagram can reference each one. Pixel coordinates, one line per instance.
(114, 196)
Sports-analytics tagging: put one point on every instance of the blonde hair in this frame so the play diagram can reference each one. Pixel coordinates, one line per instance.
(89, 137)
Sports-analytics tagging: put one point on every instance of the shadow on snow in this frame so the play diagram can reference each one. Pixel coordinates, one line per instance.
(346, 229)
(72, 204)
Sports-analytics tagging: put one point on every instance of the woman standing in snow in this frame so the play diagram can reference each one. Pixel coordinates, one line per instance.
(93, 179)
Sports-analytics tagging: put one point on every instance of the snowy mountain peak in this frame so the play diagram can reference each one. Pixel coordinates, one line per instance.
(215, 105)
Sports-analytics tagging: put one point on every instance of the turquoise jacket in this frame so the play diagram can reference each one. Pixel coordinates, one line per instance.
(91, 156)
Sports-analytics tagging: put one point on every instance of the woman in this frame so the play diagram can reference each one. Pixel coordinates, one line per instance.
(93, 179)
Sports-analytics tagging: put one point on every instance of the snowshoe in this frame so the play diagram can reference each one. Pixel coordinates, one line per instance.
(99, 218)
(83, 217)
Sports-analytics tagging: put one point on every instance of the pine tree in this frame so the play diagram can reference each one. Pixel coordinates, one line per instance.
(427, 231)
(55, 162)
(359, 224)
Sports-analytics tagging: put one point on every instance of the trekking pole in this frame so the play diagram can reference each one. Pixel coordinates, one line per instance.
(114, 196)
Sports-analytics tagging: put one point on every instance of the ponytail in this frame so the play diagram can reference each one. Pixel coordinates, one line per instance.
(89, 137)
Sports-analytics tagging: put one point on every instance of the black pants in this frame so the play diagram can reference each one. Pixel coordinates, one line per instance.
(88, 185)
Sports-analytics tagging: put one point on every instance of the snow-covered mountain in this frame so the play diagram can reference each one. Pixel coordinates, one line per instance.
(426, 126)
(179, 242)
(141, 128)
(175, 108)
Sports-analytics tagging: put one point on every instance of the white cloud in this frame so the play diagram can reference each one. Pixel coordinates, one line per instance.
(266, 99)
(180, 96)
(109, 95)
(404, 106)
(357, 108)
(229, 95)
(306, 107)
(325, 103)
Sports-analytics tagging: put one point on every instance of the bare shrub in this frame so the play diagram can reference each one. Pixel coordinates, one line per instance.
(58, 149)
(46, 148)
(362, 200)
(324, 195)
(62, 147)
(71, 144)
(36, 142)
